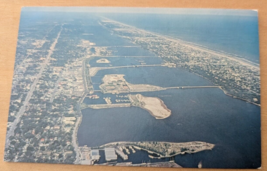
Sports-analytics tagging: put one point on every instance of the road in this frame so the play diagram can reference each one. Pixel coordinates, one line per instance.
(29, 94)
(17, 70)
(79, 113)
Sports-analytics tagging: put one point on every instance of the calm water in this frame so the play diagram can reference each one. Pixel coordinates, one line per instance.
(159, 76)
(197, 114)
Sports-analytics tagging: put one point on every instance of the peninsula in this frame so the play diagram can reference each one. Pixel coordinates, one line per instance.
(153, 105)
(163, 149)
(115, 84)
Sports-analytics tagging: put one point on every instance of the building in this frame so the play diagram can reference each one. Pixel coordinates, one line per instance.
(95, 155)
(110, 154)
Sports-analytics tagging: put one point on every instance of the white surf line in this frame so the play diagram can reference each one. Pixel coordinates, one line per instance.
(191, 45)
(29, 94)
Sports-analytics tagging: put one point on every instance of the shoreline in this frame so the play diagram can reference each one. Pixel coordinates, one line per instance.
(75, 142)
(225, 92)
(154, 105)
(137, 146)
(163, 105)
(175, 154)
(234, 97)
(192, 45)
(197, 47)
(75, 139)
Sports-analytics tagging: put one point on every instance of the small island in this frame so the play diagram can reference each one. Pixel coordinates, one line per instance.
(153, 105)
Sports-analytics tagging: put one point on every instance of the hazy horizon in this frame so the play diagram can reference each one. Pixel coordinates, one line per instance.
(188, 11)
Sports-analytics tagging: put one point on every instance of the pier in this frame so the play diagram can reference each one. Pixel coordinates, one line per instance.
(133, 151)
(121, 154)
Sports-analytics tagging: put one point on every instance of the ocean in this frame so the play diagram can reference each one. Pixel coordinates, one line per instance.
(237, 35)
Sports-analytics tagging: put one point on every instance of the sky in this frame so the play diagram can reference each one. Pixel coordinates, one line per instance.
(202, 11)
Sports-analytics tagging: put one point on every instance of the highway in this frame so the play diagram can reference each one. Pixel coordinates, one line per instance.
(79, 113)
(17, 70)
(29, 94)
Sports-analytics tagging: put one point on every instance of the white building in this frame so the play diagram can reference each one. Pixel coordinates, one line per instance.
(110, 154)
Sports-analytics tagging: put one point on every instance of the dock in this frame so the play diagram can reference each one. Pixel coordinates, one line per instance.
(121, 154)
